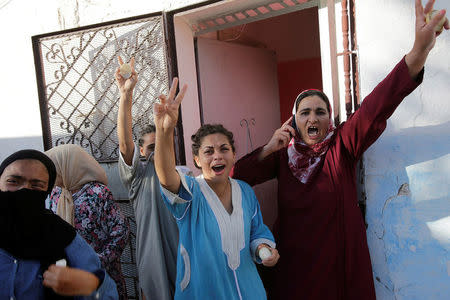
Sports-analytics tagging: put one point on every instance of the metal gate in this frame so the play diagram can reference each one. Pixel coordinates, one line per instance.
(79, 98)
(77, 93)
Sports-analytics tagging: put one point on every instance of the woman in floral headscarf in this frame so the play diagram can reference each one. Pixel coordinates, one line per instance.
(319, 229)
(82, 198)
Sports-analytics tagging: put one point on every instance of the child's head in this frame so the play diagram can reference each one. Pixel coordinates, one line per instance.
(147, 140)
(213, 150)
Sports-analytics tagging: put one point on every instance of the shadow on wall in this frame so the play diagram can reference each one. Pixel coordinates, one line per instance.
(10, 145)
(408, 213)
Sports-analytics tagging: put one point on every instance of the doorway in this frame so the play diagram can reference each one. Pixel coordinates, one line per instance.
(245, 62)
(248, 77)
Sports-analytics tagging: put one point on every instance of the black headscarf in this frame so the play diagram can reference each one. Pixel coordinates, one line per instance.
(33, 154)
(27, 229)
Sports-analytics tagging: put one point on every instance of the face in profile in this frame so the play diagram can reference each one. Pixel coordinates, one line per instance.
(24, 174)
(215, 157)
(312, 119)
(148, 146)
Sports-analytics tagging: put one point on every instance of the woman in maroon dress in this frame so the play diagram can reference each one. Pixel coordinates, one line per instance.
(320, 230)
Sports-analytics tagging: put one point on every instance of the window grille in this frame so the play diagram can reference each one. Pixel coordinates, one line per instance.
(128, 258)
(77, 90)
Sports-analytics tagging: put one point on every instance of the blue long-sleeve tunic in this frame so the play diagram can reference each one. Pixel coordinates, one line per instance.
(216, 254)
(22, 279)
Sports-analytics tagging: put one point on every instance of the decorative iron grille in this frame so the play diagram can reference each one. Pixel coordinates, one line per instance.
(128, 258)
(78, 94)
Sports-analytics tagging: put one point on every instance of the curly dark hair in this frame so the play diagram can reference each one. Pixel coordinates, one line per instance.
(147, 129)
(206, 130)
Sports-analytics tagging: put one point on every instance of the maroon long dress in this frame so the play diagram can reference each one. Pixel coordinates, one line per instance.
(319, 230)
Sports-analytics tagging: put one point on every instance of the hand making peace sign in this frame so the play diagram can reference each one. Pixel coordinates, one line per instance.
(166, 112)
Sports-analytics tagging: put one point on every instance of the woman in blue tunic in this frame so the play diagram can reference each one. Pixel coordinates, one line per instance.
(219, 219)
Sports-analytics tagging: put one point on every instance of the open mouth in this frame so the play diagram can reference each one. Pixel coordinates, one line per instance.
(218, 168)
(313, 131)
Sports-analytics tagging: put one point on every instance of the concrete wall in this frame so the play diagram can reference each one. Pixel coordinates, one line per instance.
(190, 108)
(407, 169)
(21, 19)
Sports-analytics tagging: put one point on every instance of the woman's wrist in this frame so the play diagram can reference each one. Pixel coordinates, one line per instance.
(126, 93)
(164, 132)
(265, 151)
(415, 60)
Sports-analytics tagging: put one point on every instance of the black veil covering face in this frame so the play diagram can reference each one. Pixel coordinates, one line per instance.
(27, 229)
(30, 231)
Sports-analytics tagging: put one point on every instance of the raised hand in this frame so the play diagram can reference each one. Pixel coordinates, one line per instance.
(425, 36)
(126, 85)
(166, 112)
(280, 139)
(425, 33)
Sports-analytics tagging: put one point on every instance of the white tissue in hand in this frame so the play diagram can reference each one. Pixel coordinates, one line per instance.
(61, 263)
(440, 26)
(264, 253)
(125, 71)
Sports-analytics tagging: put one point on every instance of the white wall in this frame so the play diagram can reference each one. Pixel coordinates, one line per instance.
(408, 168)
(20, 124)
